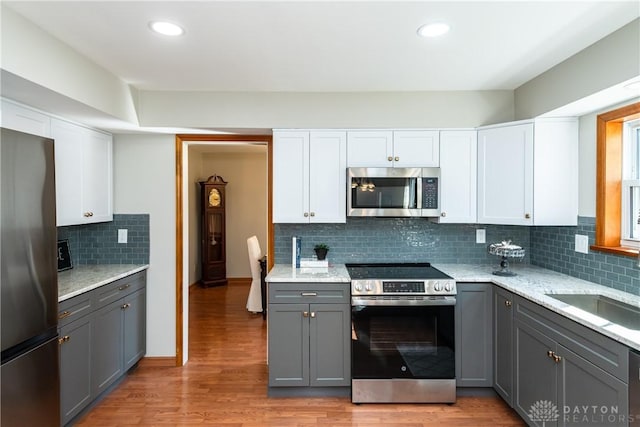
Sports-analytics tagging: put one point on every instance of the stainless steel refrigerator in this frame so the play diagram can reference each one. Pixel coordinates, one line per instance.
(29, 375)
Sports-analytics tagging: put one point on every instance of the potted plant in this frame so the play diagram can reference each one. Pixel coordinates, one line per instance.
(321, 250)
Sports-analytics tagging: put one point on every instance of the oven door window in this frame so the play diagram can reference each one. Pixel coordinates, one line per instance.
(384, 193)
(402, 342)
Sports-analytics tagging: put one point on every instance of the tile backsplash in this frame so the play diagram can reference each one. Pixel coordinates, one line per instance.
(418, 240)
(98, 243)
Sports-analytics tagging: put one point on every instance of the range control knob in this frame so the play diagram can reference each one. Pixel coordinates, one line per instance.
(358, 288)
(369, 287)
(437, 286)
(448, 287)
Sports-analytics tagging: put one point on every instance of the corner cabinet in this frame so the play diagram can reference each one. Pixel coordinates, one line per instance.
(102, 336)
(84, 182)
(309, 176)
(528, 173)
(474, 338)
(399, 149)
(309, 341)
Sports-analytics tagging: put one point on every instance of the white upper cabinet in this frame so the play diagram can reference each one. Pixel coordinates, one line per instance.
(309, 176)
(528, 173)
(84, 182)
(393, 148)
(24, 119)
(458, 177)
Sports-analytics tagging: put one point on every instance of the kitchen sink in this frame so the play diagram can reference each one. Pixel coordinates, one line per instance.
(610, 309)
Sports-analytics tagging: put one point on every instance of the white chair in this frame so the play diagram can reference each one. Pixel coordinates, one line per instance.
(254, 301)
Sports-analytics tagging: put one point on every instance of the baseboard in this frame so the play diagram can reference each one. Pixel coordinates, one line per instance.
(234, 281)
(157, 362)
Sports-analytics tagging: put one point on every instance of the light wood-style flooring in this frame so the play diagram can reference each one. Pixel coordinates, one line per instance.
(225, 384)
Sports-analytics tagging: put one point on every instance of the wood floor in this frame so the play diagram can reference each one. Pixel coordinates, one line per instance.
(225, 384)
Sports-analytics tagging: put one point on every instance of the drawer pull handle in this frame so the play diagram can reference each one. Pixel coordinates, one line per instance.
(122, 288)
(64, 314)
(557, 358)
(63, 339)
(309, 294)
(550, 354)
(125, 306)
(88, 214)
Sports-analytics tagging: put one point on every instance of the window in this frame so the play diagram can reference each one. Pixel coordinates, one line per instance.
(630, 226)
(617, 181)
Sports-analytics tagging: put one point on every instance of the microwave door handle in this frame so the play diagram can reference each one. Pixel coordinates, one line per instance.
(419, 198)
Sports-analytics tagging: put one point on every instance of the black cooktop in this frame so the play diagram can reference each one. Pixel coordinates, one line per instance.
(395, 271)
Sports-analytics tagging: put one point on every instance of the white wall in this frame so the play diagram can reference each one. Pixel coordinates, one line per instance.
(144, 182)
(193, 176)
(587, 153)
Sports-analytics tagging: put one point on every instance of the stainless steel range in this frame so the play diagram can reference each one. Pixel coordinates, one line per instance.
(402, 338)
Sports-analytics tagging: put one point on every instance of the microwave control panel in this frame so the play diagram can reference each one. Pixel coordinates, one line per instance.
(429, 193)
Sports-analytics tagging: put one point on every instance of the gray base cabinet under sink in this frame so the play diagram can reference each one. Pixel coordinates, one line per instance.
(102, 335)
(309, 335)
(474, 335)
(561, 365)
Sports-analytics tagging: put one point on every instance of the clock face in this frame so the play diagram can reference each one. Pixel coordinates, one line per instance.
(215, 198)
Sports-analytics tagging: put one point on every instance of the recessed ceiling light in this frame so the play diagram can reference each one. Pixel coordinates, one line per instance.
(433, 30)
(166, 28)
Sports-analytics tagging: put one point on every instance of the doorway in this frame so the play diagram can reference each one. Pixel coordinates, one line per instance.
(184, 187)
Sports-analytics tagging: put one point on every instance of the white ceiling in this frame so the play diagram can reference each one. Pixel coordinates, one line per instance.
(328, 46)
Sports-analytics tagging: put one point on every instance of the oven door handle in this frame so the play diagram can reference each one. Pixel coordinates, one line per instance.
(444, 301)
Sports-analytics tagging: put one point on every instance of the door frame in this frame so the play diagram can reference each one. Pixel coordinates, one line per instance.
(182, 141)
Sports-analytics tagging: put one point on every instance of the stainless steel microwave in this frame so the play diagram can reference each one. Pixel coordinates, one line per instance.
(393, 192)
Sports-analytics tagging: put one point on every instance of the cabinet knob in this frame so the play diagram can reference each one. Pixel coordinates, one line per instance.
(508, 303)
(397, 159)
(125, 306)
(527, 216)
(305, 314)
(63, 339)
(557, 358)
(64, 314)
(313, 314)
(443, 214)
(550, 353)
(390, 158)
(313, 214)
(306, 214)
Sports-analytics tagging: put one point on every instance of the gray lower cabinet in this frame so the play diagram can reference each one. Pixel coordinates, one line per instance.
(566, 374)
(474, 335)
(102, 335)
(503, 343)
(75, 367)
(309, 335)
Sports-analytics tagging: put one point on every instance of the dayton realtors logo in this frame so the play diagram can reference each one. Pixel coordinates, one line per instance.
(543, 411)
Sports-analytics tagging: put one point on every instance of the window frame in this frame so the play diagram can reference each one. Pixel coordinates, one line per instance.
(610, 129)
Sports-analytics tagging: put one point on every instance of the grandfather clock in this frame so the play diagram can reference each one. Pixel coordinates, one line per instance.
(213, 201)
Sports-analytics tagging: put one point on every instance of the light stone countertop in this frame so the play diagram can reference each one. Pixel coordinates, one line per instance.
(531, 283)
(83, 278)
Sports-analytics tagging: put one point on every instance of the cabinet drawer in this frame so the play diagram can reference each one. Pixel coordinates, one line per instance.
(602, 351)
(111, 292)
(74, 308)
(283, 293)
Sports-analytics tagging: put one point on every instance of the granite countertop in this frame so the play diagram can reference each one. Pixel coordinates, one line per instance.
(531, 283)
(83, 278)
(285, 273)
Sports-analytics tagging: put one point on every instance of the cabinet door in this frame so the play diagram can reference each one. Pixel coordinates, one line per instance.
(291, 177)
(503, 344)
(474, 335)
(505, 175)
(83, 174)
(75, 367)
(419, 148)
(106, 351)
(330, 345)
(458, 176)
(288, 345)
(24, 119)
(370, 149)
(535, 377)
(327, 176)
(587, 394)
(135, 335)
